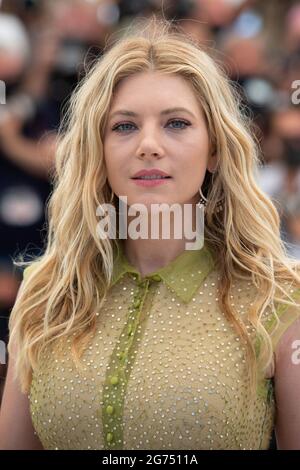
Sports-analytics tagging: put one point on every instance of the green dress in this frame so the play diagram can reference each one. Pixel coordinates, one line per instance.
(165, 369)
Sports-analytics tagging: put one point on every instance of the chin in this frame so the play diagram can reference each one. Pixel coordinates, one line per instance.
(148, 201)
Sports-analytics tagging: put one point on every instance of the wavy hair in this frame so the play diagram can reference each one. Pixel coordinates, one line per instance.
(62, 295)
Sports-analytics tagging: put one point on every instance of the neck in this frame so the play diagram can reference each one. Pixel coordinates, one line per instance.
(150, 254)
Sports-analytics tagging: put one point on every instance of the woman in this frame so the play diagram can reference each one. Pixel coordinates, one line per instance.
(135, 343)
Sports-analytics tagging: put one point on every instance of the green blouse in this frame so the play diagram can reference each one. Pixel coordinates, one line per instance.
(164, 370)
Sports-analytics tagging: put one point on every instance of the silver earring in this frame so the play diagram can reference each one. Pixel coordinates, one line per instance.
(112, 196)
(203, 202)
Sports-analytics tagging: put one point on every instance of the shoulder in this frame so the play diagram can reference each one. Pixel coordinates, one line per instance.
(245, 293)
(288, 318)
(288, 346)
(287, 387)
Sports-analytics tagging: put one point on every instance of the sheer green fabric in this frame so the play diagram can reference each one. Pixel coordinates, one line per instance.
(164, 370)
(183, 275)
(287, 314)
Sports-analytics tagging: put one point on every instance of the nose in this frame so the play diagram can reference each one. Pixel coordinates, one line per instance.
(150, 147)
(150, 155)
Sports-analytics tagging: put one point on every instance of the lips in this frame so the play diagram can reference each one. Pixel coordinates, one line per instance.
(154, 173)
(150, 182)
(146, 177)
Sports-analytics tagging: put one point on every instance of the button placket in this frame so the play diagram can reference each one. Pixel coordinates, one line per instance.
(117, 377)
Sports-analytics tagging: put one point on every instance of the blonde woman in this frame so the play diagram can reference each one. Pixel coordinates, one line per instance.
(133, 343)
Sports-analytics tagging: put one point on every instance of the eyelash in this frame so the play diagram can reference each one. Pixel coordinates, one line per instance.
(187, 123)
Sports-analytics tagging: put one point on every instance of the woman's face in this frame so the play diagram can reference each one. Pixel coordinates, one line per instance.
(175, 142)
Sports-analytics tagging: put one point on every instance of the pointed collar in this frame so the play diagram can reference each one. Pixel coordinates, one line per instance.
(183, 275)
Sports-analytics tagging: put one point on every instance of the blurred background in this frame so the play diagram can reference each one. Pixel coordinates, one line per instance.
(45, 47)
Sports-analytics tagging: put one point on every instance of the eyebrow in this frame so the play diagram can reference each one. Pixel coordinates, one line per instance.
(125, 112)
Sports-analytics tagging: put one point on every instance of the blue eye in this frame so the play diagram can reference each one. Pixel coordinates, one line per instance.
(118, 126)
(186, 123)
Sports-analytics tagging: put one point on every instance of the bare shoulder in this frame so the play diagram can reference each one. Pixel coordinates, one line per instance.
(287, 388)
(16, 429)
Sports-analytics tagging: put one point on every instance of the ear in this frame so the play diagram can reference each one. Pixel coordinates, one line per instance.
(212, 163)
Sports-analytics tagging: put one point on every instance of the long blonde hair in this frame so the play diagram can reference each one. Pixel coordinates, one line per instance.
(62, 295)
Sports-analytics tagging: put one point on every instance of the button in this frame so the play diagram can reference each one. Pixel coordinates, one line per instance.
(156, 277)
(109, 436)
(137, 303)
(109, 409)
(114, 380)
(129, 329)
(121, 355)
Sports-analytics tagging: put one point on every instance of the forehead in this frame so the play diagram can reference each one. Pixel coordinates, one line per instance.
(153, 90)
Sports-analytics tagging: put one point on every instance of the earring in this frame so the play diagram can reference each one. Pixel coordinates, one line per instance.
(112, 196)
(203, 202)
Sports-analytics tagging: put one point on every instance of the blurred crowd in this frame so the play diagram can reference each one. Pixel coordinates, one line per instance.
(45, 47)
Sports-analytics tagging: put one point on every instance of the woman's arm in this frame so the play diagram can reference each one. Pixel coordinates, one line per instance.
(16, 429)
(287, 389)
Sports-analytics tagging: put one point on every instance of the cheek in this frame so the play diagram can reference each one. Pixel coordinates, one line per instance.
(190, 173)
(193, 167)
(115, 156)
(111, 159)
(116, 174)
